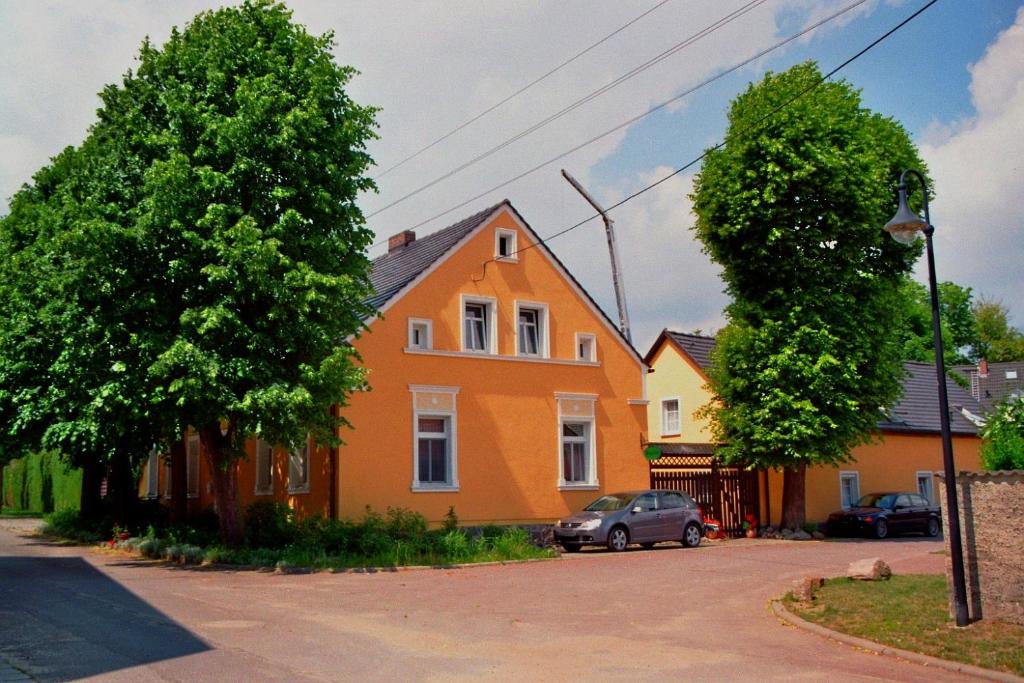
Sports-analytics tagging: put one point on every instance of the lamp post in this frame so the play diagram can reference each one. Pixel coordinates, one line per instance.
(904, 227)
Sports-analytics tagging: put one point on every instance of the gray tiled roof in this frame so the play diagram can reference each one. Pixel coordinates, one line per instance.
(1002, 379)
(917, 410)
(393, 271)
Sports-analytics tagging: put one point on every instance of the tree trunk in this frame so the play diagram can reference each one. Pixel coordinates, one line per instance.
(179, 482)
(794, 497)
(122, 489)
(224, 472)
(90, 505)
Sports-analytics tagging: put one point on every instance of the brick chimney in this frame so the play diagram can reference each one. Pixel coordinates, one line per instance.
(400, 240)
(983, 368)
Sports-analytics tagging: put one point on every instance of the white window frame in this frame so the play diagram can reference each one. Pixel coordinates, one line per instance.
(666, 428)
(513, 242)
(168, 477)
(592, 339)
(930, 495)
(852, 475)
(427, 326)
(543, 329)
(269, 450)
(192, 450)
(453, 441)
(490, 305)
(303, 486)
(591, 452)
(153, 474)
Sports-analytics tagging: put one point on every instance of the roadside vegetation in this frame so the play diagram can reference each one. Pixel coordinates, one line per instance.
(273, 538)
(911, 612)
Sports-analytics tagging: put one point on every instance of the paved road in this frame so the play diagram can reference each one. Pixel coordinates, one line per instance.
(668, 614)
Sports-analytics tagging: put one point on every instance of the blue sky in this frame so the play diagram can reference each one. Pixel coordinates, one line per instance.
(954, 77)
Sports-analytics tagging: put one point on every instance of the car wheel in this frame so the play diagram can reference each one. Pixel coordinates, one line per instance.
(647, 546)
(933, 527)
(571, 548)
(618, 539)
(881, 528)
(691, 535)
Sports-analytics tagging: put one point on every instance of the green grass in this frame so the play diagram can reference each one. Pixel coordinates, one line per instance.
(911, 612)
(14, 514)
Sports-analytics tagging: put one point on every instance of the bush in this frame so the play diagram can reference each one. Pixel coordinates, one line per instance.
(1002, 447)
(67, 523)
(41, 483)
(270, 525)
(512, 544)
(457, 546)
(405, 525)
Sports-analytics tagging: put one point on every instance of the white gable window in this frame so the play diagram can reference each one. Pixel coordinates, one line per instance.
(505, 245)
(264, 468)
(670, 416)
(192, 466)
(586, 347)
(849, 489)
(478, 325)
(531, 329)
(298, 468)
(434, 447)
(577, 450)
(421, 334)
(925, 486)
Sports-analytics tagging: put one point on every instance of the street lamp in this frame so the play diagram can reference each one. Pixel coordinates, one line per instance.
(904, 227)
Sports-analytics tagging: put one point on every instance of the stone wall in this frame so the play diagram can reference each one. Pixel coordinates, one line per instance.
(992, 532)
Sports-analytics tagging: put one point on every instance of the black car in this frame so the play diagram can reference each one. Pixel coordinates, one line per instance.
(883, 514)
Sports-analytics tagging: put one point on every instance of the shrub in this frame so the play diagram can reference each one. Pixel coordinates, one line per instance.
(512, 544)
(457, 546)
(152, 548)
(404, 525)
(1002, 447)
(451, 520)
(269, 525)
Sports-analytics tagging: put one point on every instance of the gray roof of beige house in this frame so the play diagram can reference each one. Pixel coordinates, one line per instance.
(993, 382)
(917, 409)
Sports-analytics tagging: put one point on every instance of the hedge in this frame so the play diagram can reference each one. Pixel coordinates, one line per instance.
(42, 483)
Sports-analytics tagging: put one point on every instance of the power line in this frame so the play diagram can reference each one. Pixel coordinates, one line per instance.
(642, 115)
(741, 133)
(686, 42)
(523, 89)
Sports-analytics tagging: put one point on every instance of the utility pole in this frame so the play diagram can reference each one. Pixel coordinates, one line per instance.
(613, 250)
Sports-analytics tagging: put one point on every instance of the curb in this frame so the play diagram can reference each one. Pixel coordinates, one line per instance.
(788, 617)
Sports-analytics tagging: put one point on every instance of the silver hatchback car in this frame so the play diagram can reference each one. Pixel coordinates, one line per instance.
(644, 517)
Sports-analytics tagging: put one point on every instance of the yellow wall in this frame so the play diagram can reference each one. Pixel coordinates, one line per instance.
(508, 441)
(890, 465)
(676, 376)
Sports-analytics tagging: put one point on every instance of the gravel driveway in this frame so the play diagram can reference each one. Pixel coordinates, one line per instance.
(668, 614)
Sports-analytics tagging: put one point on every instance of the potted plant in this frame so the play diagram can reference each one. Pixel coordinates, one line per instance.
(750, 526)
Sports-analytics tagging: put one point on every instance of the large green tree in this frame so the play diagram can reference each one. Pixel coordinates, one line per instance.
(959, 328)
(997, 339)
(228, 166)
(792, 208)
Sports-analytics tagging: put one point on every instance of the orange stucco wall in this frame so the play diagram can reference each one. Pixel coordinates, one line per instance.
(890, 464)
(508, 442)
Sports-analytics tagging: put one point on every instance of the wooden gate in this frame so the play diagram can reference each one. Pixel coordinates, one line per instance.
(727, 494)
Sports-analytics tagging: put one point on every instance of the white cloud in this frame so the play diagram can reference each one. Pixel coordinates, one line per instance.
(977, 171)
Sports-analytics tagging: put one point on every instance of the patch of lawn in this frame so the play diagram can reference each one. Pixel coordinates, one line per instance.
(911, 612)
(16, 514)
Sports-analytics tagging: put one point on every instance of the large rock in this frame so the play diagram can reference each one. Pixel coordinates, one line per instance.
(801, 535)
(871, 569)
(803, 590)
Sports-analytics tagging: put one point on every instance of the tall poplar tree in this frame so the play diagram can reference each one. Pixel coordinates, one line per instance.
(792, 208)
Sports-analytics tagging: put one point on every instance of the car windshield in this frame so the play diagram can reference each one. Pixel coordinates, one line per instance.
(609, 503)
(876, 500)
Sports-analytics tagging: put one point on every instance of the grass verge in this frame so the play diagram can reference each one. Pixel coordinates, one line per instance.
(910, 612)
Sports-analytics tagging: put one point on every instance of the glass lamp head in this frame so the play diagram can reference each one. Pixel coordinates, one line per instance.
(905, 225)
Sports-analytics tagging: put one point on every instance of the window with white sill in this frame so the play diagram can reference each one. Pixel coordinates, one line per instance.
(298, 469)
(849, 489)
(478, 325)
(670, 424)
(421, 334)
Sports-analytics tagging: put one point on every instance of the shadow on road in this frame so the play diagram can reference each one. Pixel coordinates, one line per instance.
(61, 619)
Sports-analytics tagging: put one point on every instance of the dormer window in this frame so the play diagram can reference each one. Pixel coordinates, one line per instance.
(505, 247)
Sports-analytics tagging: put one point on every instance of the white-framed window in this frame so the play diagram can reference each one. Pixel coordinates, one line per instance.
(586, 347)
(478, 324)
(434, 438)
(505, 245)
(532, 329)
(421, 333)
(298, 468)
(153, 474)
(577, 450)
(168, 488)
(670, 424)
(926, 485)
(849, 489)
(192, 465)
(264, 468)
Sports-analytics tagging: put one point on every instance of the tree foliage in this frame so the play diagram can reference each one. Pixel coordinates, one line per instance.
(997, 341)
(792, 208)
(217, 252)
(1002, 446)
(959, 328)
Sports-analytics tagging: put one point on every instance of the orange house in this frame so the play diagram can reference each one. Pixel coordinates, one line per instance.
(498, 388)
(905, 456)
